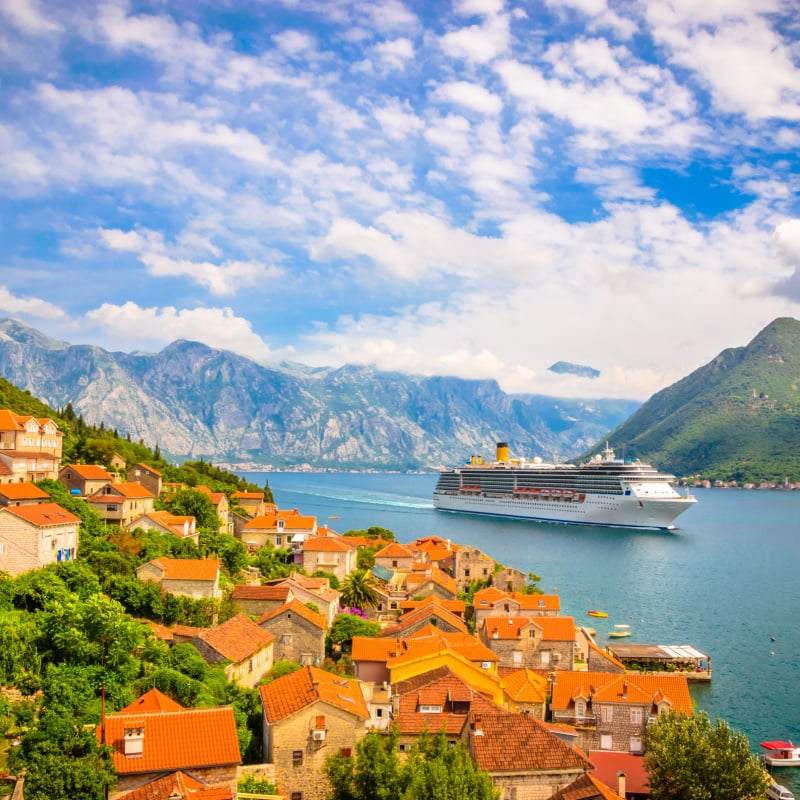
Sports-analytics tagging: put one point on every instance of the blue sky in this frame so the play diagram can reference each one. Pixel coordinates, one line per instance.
(477, 188)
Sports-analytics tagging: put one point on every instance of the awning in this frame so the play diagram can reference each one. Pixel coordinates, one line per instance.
(777, 745)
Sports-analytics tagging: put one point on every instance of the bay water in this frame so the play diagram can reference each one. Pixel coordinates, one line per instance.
(726, 582)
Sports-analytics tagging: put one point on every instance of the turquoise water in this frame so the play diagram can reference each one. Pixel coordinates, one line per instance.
(726, 582)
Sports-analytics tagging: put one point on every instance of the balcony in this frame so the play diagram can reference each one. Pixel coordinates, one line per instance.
(584, 721)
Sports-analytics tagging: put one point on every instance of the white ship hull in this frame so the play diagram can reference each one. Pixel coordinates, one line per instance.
(609, 510)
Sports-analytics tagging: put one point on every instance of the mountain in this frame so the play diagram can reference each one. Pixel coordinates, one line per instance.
(736, 418)
(194, 401)
(568, 368)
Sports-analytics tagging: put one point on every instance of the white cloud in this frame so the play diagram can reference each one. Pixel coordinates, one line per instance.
(395, 54)
(156, 327)
(28, 16)
(472, 96)
(29, 306)
(479, 43)
(397, 119)
(295, 43)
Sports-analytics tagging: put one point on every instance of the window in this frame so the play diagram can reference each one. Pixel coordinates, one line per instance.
(636, 744)
(250, 665)
(607, 714)
(378, 712)
(545, 657)
(605, 741)
(297, 757)
(466, 573)
(517, 657)
(296, 796)
(580, 708)
(278, 541)
(346, 752)
(430, 709)
(401, 748)
(636, 716)
(394, 562)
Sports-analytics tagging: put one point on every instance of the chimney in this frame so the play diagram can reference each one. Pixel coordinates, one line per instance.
(133, 740)
(621, 783)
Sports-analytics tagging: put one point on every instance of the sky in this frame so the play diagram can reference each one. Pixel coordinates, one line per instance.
(475, 188)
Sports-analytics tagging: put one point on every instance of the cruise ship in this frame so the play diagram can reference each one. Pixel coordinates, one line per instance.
(602, 491)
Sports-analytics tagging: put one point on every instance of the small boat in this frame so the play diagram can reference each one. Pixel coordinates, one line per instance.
(602, 614)
(620, 631)
(777, 792)
(781, 754)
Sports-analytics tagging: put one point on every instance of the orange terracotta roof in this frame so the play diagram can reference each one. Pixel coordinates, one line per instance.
(178, 785)
(505, 742)
(608, 656)
(132, 490)
(394, 550)
(188, 569)
(42, 514)
(149, 469)
(300, 689)
(431, 641)
(9, 421)
(428, 543)
(608, 763)
(505, 627)
(635, 688)
(5, 470)
(237, 639)
(152, 702)
(556, 629)
(216, 497)
(159, 631)
(292, 520)
(540, 602)
(248, 495)
(411, 618)
(246, 592)
(525, 686)
(438, 576)
(368, 648)
(456, 607)
(586, 787)
(328, 544)
(295, 607)
(23, 491)
(91, 472)
(185, 739)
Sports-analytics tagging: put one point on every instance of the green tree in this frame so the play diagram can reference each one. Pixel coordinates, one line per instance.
(688, 758)
(346, 626)
(191, 503)
(358, 590)
(374, 772)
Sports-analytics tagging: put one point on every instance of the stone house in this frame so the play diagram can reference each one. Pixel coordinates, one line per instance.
(177, 786)
(155, 736)
(308, 716)
(150, 478)
(395, 556)
(333, 554)
(423, 615)
(258, 600)
(599, 660)
(279, 527)
(610, 711)
(491, 602)
(538, 642)
(32, 536)
(190, 577)
(470, 564)
(525, 691)
(509, 579)
(22, 494)
(121, 503)
(84, 479)
(430, 581)
(221, 505)
(299, 633)
(252, 503)
(436, 551)
(247, 646)
(7, 475)
(522, 756)
(184, 527)
(29, 447)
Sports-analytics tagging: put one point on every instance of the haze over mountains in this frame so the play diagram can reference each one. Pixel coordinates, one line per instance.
(195, 401)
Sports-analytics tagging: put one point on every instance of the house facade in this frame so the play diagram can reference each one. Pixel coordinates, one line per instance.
(184, 527)
(30, 448)
(333, 554)
(22, 494)
(32, 536)
(299, 633)
(84, 479)
(150, 478)
(121, 503)
(190, 577)
(308, 716)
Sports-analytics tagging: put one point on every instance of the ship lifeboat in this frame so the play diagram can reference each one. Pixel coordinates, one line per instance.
(469, 489)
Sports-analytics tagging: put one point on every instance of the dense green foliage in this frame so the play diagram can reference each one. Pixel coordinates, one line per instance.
(433, 770)
(688, 758)
(358, 590)
(736, 418)
(346, 626)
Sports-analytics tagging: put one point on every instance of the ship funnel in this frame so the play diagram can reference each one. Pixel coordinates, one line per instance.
(502, 452)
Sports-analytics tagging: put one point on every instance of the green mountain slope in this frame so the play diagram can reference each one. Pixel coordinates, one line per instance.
(736, 418)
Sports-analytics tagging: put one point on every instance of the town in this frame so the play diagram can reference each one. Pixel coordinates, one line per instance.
(361, 635)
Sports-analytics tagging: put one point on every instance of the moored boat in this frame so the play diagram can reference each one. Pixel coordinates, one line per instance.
(602, 614)
(602, 491)
(780, 754)
(620, 631)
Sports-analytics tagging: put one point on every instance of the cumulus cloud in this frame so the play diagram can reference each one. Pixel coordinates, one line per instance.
(29, 306)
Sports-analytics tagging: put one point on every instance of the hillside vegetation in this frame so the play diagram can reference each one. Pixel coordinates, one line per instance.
(736, 418)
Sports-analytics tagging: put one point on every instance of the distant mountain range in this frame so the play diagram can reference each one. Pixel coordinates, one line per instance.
(194, 401)
(736, 418)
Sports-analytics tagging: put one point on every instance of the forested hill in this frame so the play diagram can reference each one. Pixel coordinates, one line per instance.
(736, 418)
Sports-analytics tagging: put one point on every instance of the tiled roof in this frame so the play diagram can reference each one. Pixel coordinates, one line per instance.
(483, 598)
(216, 497)
(438, 576)
(152, 702)
(525, 686)
(185, 739)
(438, 688)
(246, 592)
(132, 490)
(23, 491)
(292, 520)
(505, 627)
(394, 550)
(42, 514)
(5, 470)
(453, 606)
(428, 612)
(178, 785)
(295, 607)
(608, 763)
(586, 787)
(237, 639)
(505, 742)
(149, 469)
(556, 629)
(328, 544)
(9, 421)
(91, 472)
(248, 495)
(430, 641)
(300, 689)
(368, 648)
(634, 688)
(188, 569)
(486, 598)
(608, 656)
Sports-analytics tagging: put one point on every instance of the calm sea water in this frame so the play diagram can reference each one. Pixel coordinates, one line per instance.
(726, 582)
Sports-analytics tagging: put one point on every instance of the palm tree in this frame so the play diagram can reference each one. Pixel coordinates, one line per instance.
(358, 589)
